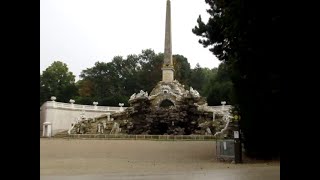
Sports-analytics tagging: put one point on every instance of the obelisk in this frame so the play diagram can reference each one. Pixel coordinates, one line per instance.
(167, 69)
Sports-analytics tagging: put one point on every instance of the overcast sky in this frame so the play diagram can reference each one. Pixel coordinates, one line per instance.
(82, 32)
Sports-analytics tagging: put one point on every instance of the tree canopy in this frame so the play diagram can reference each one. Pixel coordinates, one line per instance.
(57, 81)
(116, 81)
(113, 82)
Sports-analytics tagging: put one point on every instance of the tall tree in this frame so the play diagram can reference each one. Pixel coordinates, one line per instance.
(57, 81)
(198, 78)
(238, 33)
(101, 75)
(105, 78)
(129, 72)
(151, 64)
(182, 69)
(219, 87)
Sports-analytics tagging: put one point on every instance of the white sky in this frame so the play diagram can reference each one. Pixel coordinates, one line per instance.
(82, 32)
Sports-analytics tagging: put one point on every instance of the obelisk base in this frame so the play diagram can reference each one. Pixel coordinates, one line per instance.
(167, 74)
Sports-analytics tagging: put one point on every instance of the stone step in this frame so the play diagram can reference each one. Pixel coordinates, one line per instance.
(61, 134)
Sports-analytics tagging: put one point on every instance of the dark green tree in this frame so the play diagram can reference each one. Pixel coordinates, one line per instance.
(57, 81)
(86, 92)
(239, 34)
(220, 87)
(209, 74)
(182, 69)
(107, 81)
(150, 74)
(198, 79)
(103, 78)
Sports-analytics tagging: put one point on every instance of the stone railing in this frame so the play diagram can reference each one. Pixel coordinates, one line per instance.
(54, 104)
(226, 107)
(223, 108)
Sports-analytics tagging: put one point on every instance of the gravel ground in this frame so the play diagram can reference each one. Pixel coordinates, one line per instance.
(65, 159)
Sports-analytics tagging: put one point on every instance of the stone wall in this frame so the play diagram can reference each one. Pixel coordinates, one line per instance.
(62, 115)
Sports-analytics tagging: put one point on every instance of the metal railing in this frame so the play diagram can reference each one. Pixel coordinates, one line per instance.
(142, 137)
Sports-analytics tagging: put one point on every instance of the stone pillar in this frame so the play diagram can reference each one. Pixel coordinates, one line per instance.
(95, 105)
(72, 101)
(167, 69)
(121, 106)
(53, 98)
(44, 130)
(99, 128)
(168, 39)
(108, 115)
(47, 129)
(223, 103)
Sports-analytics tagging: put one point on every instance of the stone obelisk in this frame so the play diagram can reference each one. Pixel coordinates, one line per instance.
(167, 69)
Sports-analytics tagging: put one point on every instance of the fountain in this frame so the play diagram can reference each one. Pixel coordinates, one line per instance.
(169, 108)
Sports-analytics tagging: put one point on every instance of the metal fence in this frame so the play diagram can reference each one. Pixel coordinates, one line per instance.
(142, 137)
(225, 149)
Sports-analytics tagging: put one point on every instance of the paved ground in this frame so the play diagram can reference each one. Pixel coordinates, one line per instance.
(62, 159)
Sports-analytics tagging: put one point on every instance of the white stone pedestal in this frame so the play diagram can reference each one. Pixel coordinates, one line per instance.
(47, 129)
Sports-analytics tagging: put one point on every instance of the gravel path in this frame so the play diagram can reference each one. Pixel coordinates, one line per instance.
(138, 159)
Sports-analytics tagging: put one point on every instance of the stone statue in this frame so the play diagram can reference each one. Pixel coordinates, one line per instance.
(209, 131)
(186, 94)
(104, 125)
(115, 128)
(98, 127)
(142, 94)
(82, 128)
(101, 128)
(78, 130)
(194, 92)
(133, 96)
